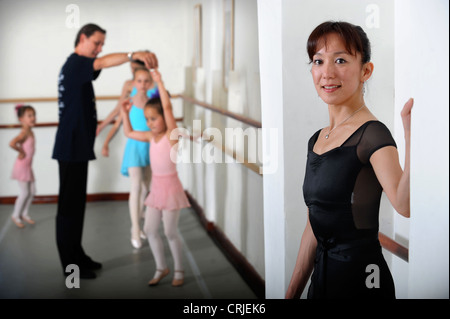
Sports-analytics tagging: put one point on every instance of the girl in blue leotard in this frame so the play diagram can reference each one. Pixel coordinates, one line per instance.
(136, 162)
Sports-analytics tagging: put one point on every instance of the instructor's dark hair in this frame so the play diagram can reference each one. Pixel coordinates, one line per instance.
(88, 30)
(354, 37)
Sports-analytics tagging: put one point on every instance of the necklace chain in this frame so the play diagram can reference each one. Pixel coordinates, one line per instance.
(329, 132)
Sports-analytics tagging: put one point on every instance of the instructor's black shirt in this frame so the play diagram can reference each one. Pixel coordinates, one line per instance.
(75, 135)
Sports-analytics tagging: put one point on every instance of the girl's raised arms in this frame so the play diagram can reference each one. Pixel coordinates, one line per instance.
(171, 123)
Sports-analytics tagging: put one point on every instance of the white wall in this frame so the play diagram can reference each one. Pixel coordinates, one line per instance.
(36, 40)
(273, 111)
(422, 51)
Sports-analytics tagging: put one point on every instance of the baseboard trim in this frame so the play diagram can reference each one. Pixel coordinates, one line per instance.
(53, 199)
(244, 268)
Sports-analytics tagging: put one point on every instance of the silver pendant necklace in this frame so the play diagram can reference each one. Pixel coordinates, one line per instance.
(329, 132)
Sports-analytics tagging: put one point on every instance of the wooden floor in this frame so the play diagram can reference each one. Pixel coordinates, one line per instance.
(30, 267)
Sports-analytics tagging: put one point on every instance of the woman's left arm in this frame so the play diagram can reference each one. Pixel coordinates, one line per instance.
(385, 162)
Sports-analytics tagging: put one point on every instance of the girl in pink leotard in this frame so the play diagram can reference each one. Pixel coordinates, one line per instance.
(22, 171)
(167, 196)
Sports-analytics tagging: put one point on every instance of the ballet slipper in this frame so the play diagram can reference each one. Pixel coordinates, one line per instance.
(136, 240)
(17, 222)
(156, 280)
(136, 243)
(178, 282)
(142, 235)
(29, 220)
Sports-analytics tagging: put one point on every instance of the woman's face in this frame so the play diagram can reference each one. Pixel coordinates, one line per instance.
(337, 74)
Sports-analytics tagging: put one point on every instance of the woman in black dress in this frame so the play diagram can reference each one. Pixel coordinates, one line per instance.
(349, 164)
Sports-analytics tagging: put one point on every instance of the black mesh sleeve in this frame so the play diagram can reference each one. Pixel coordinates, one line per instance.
(375, 136)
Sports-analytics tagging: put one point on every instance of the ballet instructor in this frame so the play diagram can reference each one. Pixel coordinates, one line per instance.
(75, 136)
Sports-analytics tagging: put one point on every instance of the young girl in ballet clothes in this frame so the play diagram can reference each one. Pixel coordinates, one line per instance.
(167, 196)
(22, 171)
(136, 161)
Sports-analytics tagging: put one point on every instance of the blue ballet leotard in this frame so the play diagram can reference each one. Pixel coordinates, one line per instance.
(136, 153)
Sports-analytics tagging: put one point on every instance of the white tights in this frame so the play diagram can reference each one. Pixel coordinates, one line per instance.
(140, 180)
(170, 218)
(23, 201)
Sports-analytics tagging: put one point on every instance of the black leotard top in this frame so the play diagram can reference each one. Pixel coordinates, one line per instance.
(343, 196)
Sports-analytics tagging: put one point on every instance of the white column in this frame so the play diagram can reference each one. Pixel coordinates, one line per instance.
(422, 51)
(270, 57)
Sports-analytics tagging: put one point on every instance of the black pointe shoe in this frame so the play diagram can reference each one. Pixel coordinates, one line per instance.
(87, 274)
(84, 274)
(91, 265)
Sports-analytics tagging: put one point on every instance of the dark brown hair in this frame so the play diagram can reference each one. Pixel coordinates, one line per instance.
(155, 103)
(354, 37)
(88, 30)
(138, 62)
(21, 109)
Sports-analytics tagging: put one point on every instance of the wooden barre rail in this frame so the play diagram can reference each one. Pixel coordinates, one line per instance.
(213, 108)
(50, 124)
(216, 109)
(44, 99)
(392, 246)
(254, 167)
(51, 99)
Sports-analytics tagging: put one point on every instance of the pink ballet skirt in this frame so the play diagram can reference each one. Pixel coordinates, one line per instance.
(22, 170)
(166, 192)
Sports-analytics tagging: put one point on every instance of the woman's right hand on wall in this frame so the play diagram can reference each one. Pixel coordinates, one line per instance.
(406, 117)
